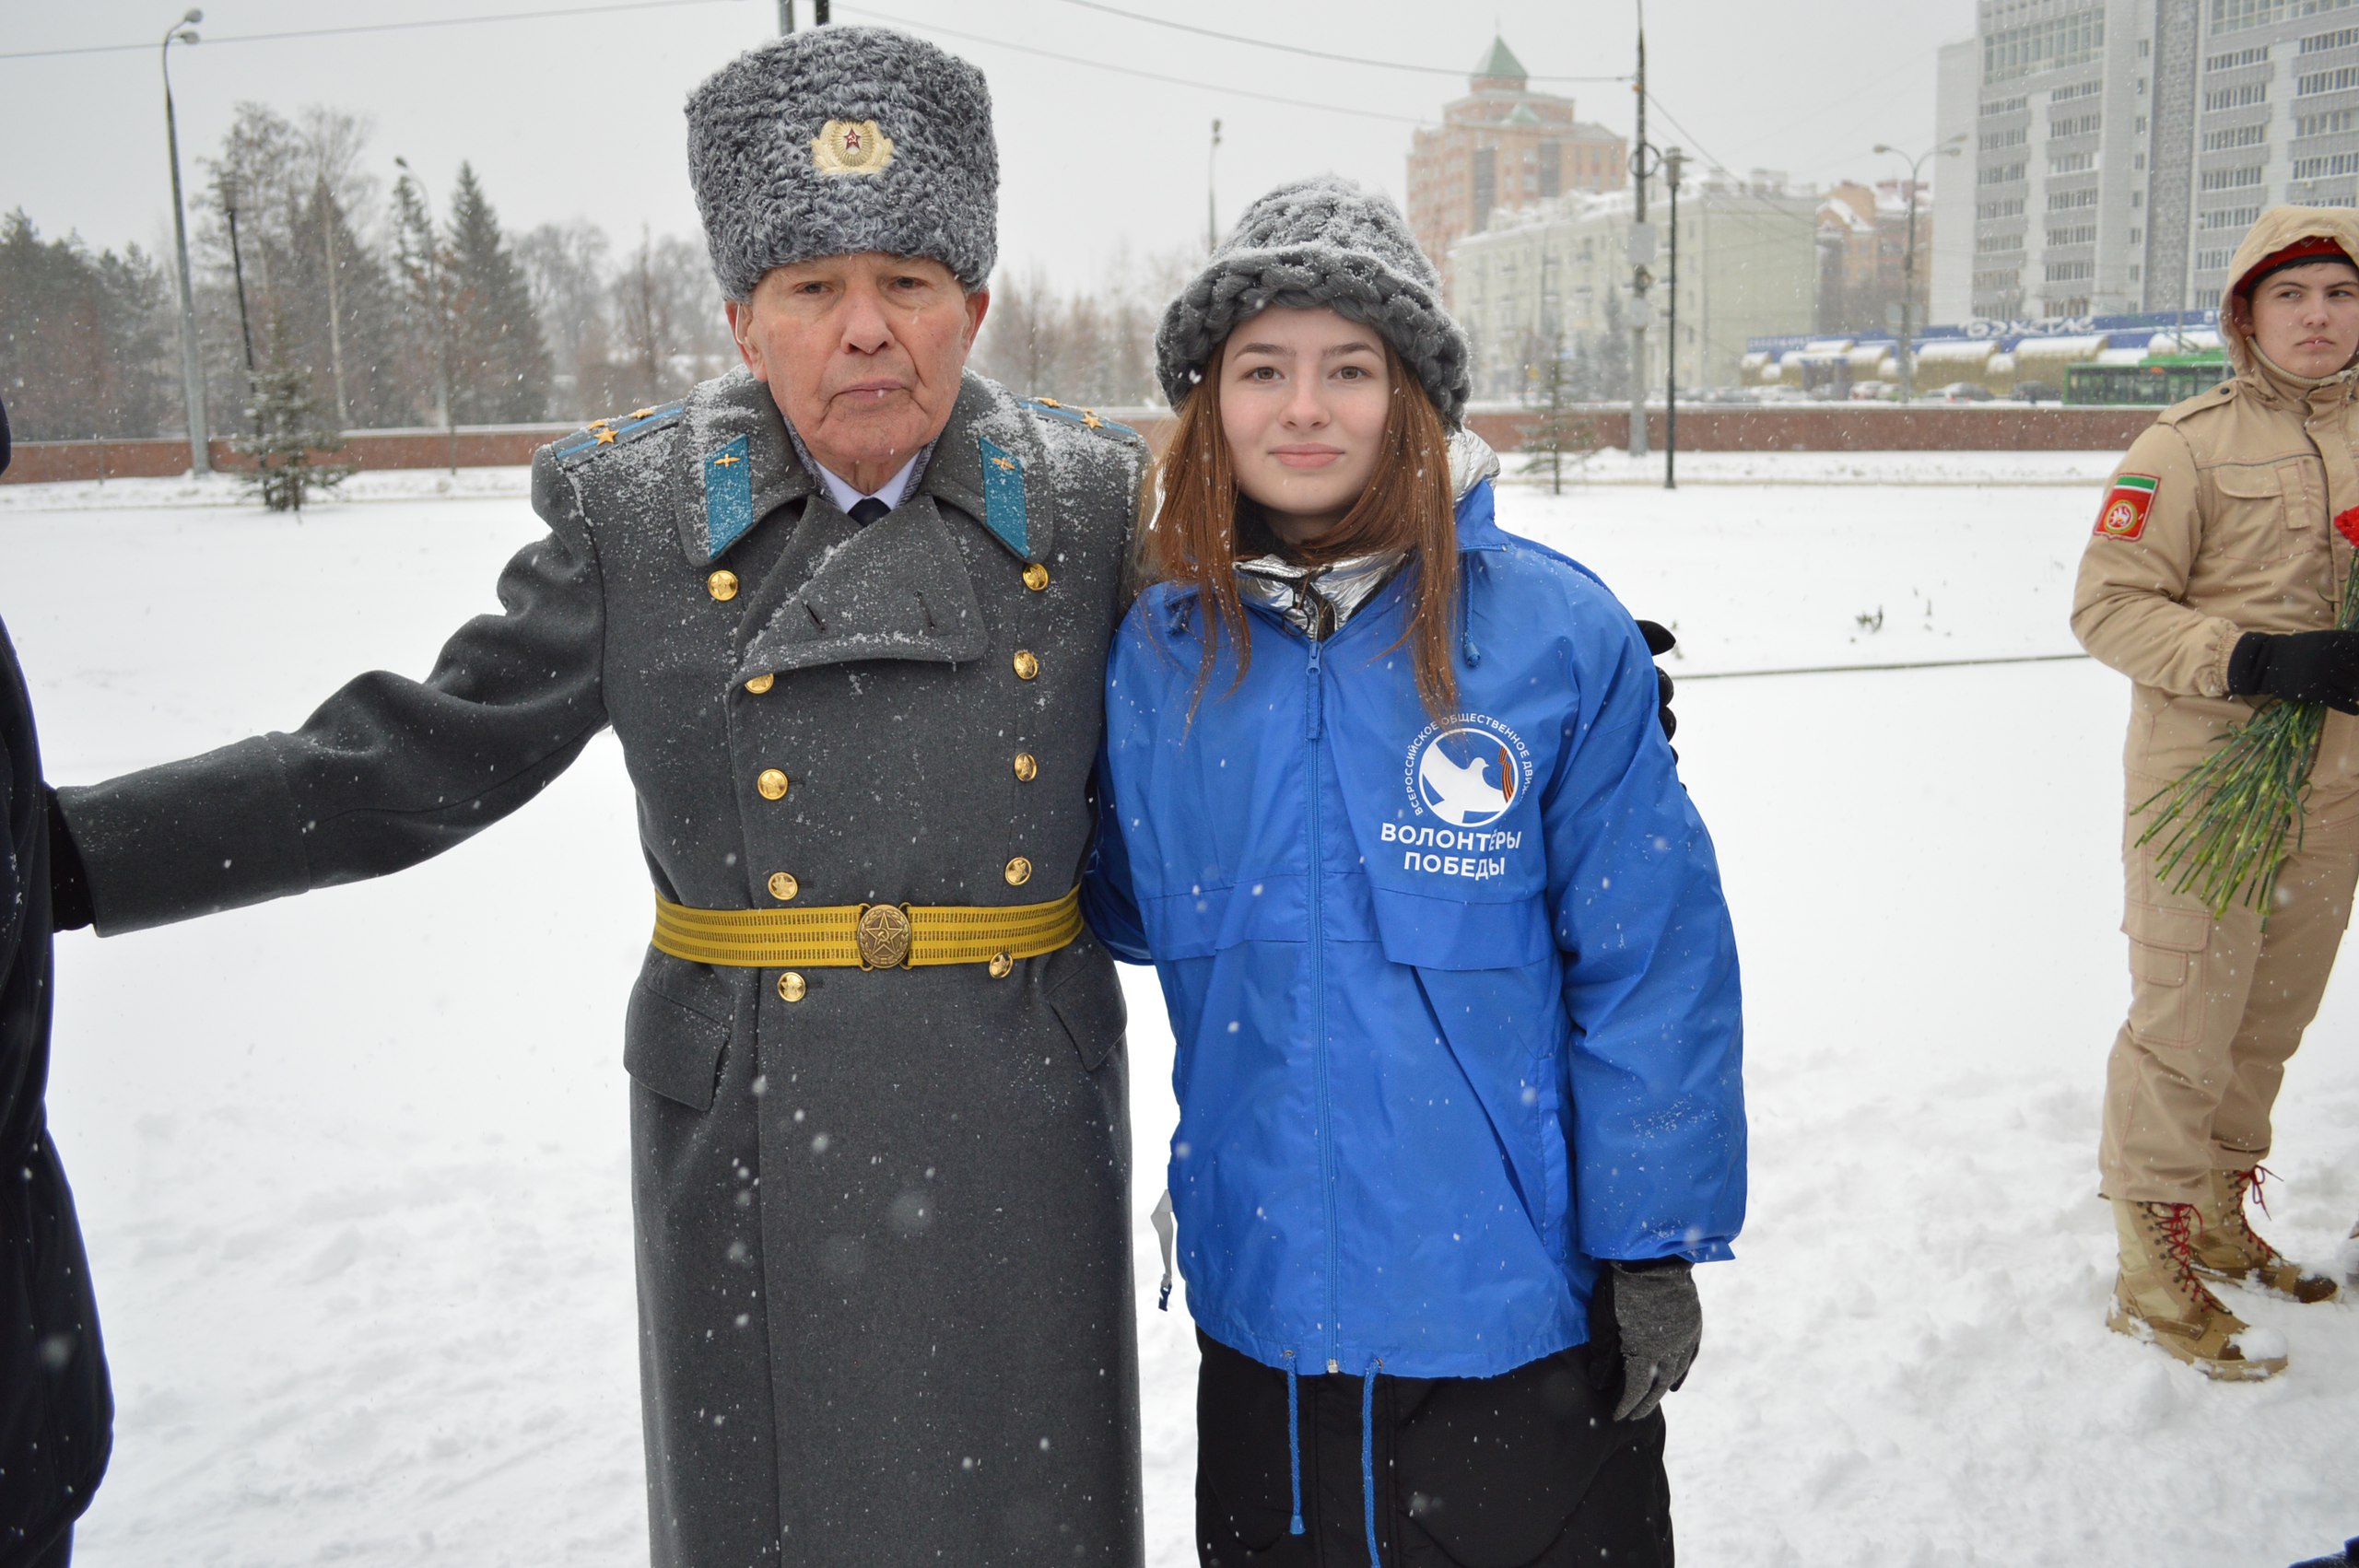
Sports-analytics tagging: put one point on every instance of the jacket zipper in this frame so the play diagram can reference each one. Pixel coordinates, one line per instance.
(1313, 725)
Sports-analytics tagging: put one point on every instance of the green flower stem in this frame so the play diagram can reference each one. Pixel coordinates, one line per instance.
(2228, 826)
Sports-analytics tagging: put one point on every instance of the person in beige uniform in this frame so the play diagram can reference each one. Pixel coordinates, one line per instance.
(2211, 581)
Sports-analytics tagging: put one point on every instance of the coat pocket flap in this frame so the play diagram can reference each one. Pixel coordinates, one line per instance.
(2179, 931)
(2251, 483)
(673, 1047)
(1087, 1000)
(1448, 933)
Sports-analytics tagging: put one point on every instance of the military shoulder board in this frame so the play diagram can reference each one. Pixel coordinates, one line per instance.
(600, 434)
(1089, 418)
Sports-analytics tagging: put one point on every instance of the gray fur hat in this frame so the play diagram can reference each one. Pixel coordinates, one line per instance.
(1323, 241)
(839, 140)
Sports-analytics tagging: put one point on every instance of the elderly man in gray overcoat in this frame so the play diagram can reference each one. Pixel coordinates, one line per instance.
(847, 610)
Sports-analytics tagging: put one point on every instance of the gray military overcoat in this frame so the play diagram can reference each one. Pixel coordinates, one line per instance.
(883, 1267)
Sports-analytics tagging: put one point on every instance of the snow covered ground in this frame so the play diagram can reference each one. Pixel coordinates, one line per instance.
(360, 1217)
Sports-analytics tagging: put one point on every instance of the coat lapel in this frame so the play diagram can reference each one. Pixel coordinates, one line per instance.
(839, 593)
(990, 467)
(896, 588)
(745, 466)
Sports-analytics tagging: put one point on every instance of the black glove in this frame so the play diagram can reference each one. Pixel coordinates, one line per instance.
(69, 886)
(2297, 666)
(1645, 1324)
(1660, 641)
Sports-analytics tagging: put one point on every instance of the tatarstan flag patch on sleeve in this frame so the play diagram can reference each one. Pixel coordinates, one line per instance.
(2124, 515)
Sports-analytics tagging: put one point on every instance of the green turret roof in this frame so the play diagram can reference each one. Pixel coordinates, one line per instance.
(1500, 61)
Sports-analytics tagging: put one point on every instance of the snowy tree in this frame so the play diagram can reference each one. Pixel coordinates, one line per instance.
(499, 367)
(1558, 431)
(290, 433)
(86, 340)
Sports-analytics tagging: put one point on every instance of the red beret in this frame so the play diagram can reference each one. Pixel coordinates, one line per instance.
(2312, 247)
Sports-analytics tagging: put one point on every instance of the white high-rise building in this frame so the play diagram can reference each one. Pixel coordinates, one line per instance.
(2120, 149)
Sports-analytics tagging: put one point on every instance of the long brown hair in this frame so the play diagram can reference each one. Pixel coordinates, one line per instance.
(1203, 523)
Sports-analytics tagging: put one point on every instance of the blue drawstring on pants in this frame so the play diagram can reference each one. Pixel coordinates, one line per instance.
(1294, 1444)
(1368, 1458)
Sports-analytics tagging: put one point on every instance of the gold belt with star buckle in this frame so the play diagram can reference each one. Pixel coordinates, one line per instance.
(866, 936)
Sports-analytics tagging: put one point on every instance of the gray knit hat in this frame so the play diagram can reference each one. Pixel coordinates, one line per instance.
(839, 140)
(1320, 241)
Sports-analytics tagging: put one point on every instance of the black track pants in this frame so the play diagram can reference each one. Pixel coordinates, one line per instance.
(1524, 1470)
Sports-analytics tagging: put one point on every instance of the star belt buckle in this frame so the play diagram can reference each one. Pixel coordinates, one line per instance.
(883, 936)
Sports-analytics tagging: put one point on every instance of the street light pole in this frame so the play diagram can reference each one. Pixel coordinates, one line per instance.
(192, 374)
(1673, 163)
(1907, 359)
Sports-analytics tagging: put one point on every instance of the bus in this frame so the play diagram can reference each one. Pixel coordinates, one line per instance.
(2160, 381)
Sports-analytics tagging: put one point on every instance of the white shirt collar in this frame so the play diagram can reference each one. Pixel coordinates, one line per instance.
(891, 492)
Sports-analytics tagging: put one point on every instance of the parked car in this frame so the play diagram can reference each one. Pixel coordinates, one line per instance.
(1873, 391)
(2039, 392)
(1780, 394)
(1963, 391)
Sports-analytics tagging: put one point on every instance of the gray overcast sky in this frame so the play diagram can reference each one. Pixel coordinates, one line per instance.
(579, 115)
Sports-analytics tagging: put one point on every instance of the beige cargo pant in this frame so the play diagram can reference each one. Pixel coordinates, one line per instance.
(2216, 1009)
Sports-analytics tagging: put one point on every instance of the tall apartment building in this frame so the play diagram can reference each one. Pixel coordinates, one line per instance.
(2120, 149)
(1501, 148)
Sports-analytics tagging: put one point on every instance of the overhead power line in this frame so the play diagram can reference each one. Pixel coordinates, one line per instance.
(1297, 49)
(1222, 88)
(218, 38)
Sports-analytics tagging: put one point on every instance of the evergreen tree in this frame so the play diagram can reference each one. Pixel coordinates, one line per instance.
(500, 365)
(88, 345)
(290, 432)
(420, 269)
(1550, 392)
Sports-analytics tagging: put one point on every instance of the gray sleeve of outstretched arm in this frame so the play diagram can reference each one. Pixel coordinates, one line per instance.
(387, 773)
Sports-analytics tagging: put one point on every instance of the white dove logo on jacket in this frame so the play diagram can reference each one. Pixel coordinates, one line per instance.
(1465, 794)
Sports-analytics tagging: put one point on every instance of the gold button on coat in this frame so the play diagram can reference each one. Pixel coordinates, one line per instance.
(772, 784)
(1000, 965)
(783, 886)
(761, 683)
(1036, 577)
(1026, 665)
(1027, 769)
(791, 987)
(721, 585)
(1019, 871)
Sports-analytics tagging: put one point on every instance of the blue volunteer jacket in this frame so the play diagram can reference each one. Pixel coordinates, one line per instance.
(1456, 1004)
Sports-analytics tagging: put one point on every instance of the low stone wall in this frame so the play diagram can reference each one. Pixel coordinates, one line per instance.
(1865, 426)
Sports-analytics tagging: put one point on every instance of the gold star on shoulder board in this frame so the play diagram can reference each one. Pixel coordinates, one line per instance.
(1048, 403)
(640, 413)
(1089, 417)
(597, 424)
(605, 438)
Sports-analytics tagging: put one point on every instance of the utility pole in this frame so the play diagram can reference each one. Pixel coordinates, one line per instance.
(818, 13)
(785, 18)
(1906, 356)
(228, 190)
(192, 374)
(1642, 251)
(1673, 160)
(1212, 210)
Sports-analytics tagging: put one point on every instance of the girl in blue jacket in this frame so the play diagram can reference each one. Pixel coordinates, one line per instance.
(1385, 801)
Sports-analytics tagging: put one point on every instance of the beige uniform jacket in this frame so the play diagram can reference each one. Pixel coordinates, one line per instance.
(2238, 536)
